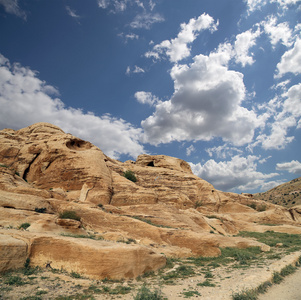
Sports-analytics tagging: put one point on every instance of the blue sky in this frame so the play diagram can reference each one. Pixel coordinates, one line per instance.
(213, 82)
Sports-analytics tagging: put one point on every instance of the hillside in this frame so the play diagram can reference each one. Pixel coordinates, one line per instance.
(64, 204)
(287, 194)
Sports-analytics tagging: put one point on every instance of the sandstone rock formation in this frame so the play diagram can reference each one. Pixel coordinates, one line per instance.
(45, 172)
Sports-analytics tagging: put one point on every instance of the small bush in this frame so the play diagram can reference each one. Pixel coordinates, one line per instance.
(24, 226)
(69, 214)
(263, 287)
(262, 207)
(198, 204)
(14, 280)
(189, 294)
(252, 205)
(40, 210)
(75, 275)
(277, 278)
(245, 295)
(130, 175)
(206, 283)
(287, 270)
(146, 294)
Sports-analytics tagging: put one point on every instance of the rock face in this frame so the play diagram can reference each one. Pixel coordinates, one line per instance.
(45, 172)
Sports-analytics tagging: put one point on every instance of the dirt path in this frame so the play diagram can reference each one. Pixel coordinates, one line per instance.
(289, 289)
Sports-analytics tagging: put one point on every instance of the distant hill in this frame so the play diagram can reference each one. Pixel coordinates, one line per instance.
(287, 194)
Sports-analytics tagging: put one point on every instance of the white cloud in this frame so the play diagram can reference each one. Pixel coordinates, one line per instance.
(146, 98)
(103, 3)
(72, 13)
(223, 151)
(285, 111)
(176, 49)
(278, 32)
(291, 60)
(293, 167)
(132, 36)
(258, 4)
(25, 99)
(146, 20)
(12, 7)
(239, 173)
(118, 5)
(255, 4)
(138, 70)
(135, 70)
(206, 103)
(244, 42)
(190, 150)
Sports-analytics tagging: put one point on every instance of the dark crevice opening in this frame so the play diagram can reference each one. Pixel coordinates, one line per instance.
(30, 164)
(151, 164)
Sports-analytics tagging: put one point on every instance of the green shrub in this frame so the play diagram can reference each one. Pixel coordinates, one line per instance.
(40, 210)
(75, 275)
(252, 205)
(287, 270)
(69, 214)
(146, 294)
(206, 283)
(189, 294)
(277, 278)
(245, 295)
(14, 280)
(263, 287)
(262, 207)
(24, 226)
(130, 175)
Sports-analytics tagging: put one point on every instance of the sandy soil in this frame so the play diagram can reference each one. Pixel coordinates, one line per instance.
(289, 289)
(227, 280)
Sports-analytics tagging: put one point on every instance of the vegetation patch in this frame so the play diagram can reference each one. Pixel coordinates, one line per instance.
(83, 236)
(245, 295)
(130, 175)
(69, 214)
(191, 293)
(149, 222)
(272, 238)
(145, 293)
(181, 272)
(24, 225)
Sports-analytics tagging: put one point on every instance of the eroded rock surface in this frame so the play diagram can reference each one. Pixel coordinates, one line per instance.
(45, 172)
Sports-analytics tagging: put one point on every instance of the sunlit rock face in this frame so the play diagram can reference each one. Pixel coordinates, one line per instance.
(165, 211)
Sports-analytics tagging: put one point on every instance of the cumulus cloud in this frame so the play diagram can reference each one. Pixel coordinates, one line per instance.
(293, 167)
(239, 173)
(12, 7)
(146, 98)
(206, 103)
(244, 42)
(278, 32)
(258, 4)
(255, 4)
(25, 99)
(290, 60)
(285, 110)
(176, 49)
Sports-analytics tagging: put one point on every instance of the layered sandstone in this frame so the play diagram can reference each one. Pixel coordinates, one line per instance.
(45, 172)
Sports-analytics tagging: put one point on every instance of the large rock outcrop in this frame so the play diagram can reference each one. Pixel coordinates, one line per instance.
(45, 172)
